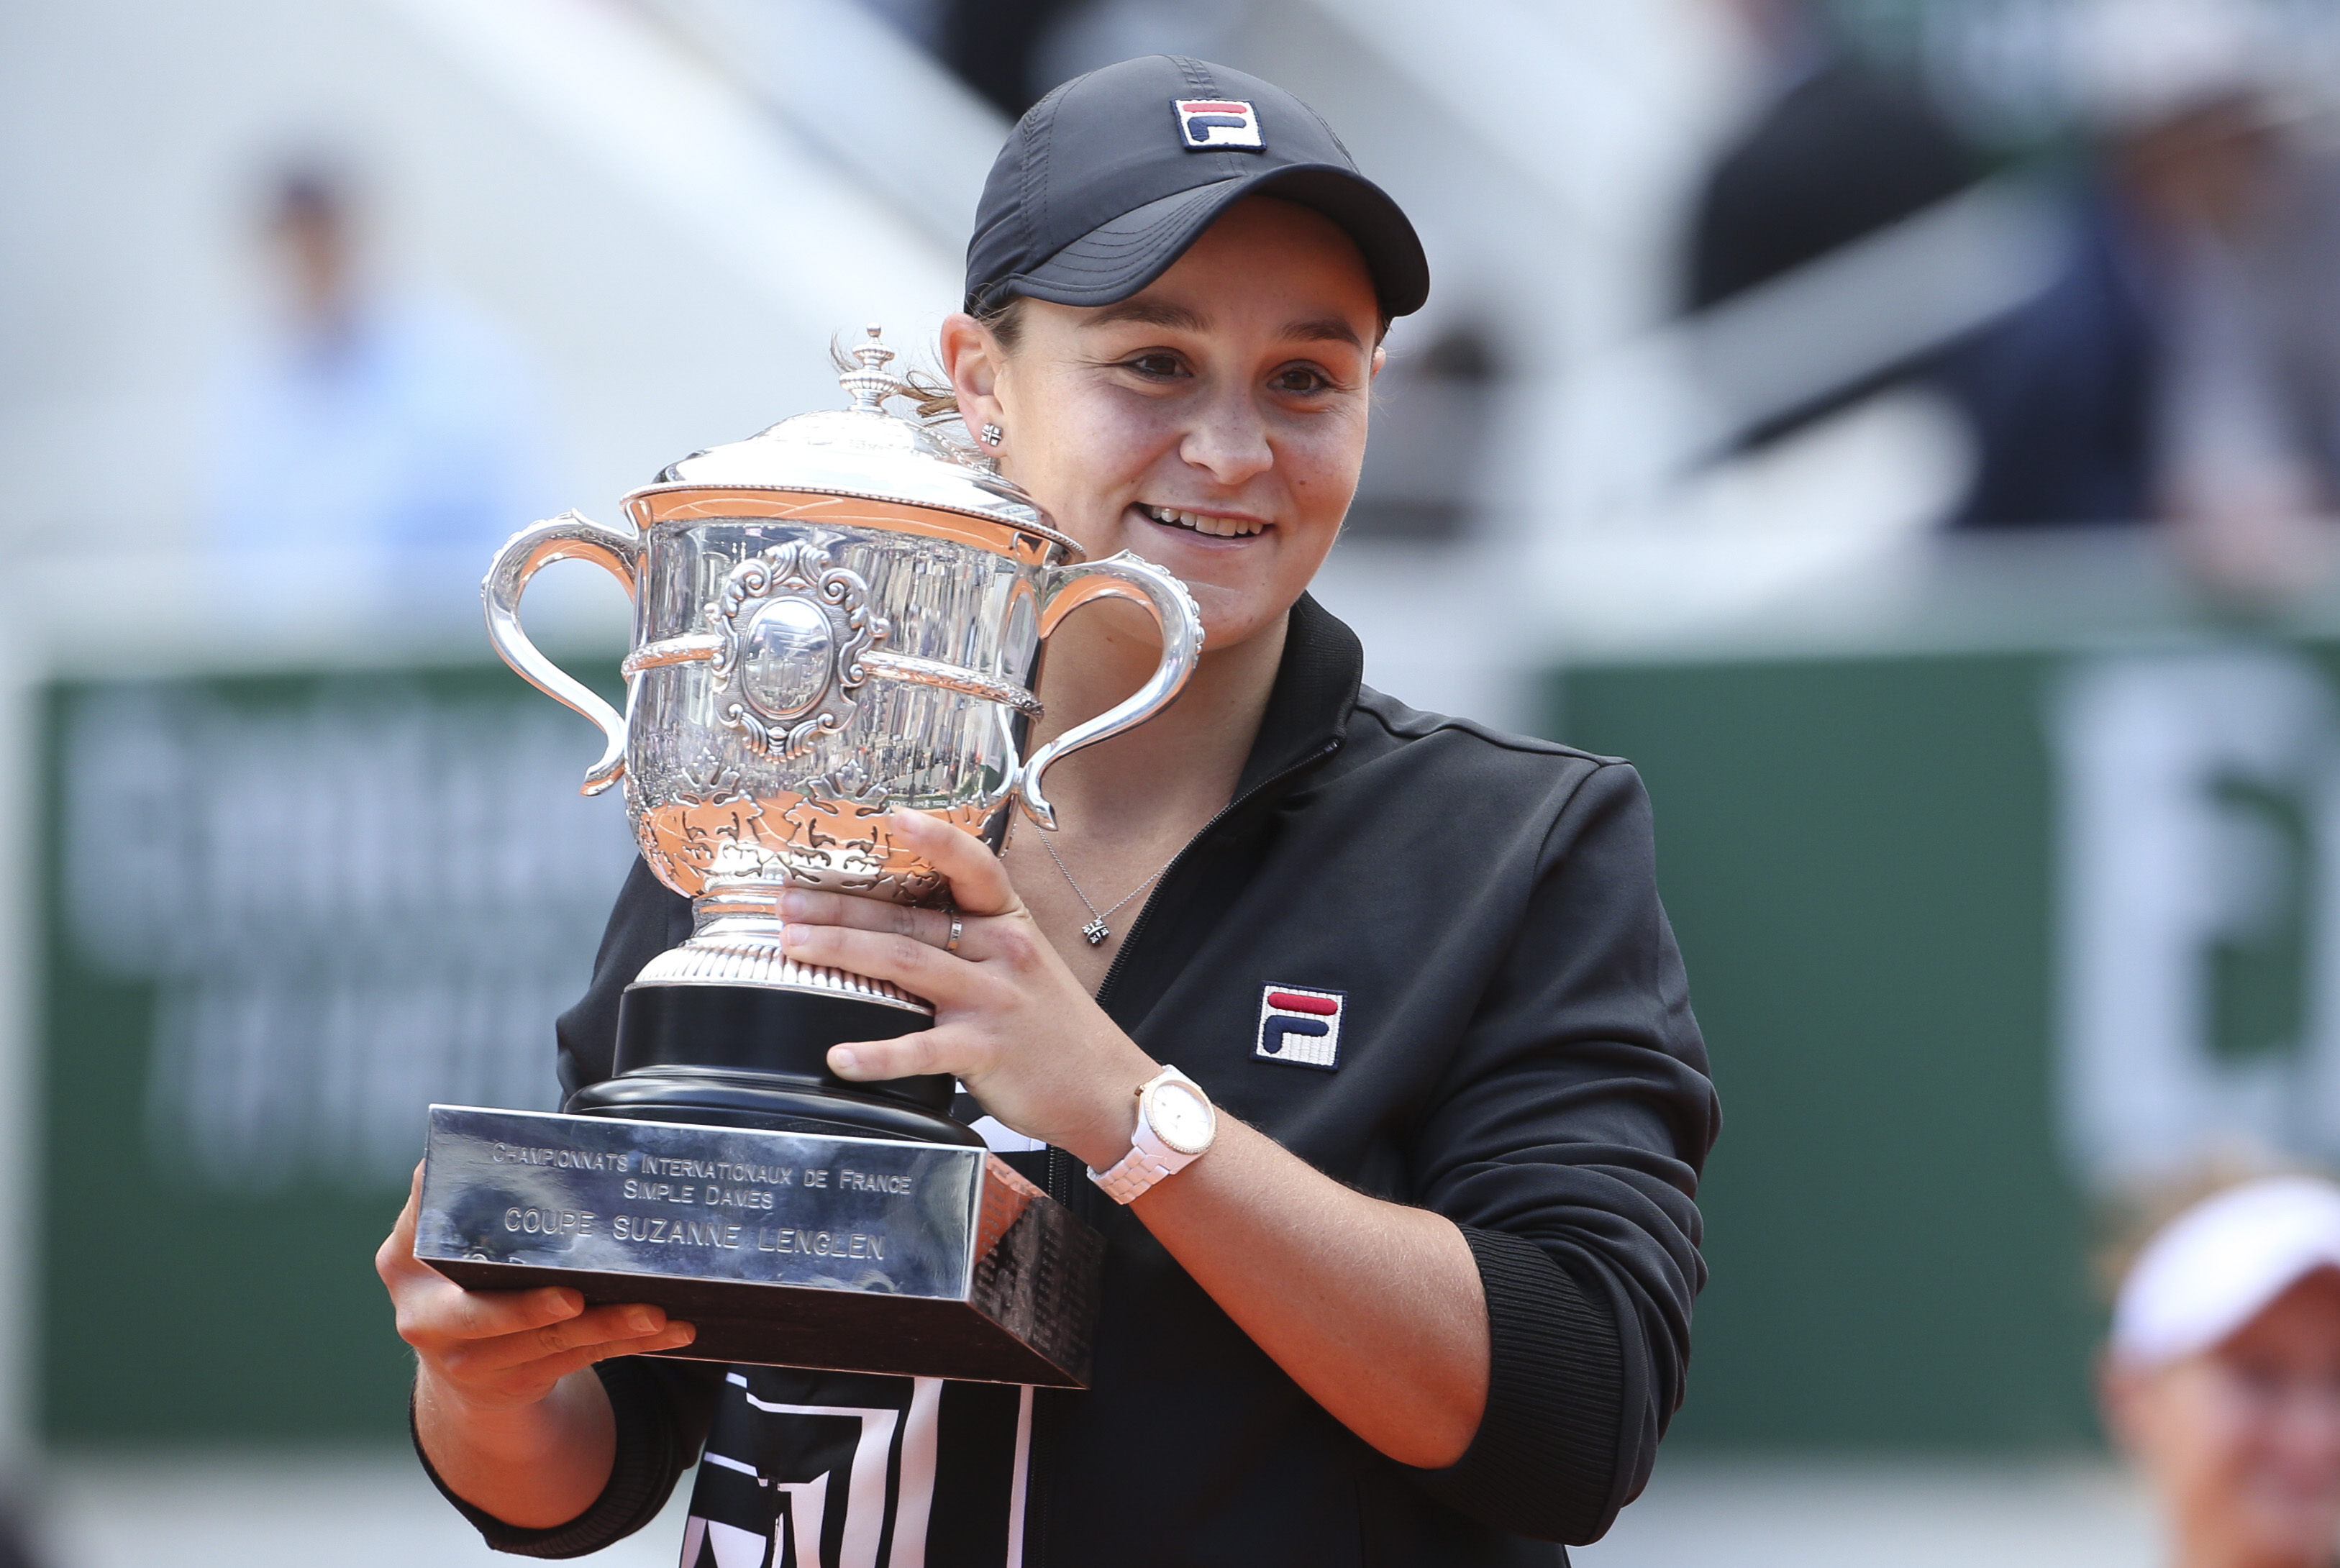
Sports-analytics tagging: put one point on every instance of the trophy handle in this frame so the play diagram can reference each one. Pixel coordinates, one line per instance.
(569, 537)
(1139, 580)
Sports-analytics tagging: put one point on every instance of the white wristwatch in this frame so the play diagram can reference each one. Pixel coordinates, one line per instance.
(1176, 1124)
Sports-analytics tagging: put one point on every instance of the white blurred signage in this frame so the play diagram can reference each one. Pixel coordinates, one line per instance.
(350, 905)
(2199, 921)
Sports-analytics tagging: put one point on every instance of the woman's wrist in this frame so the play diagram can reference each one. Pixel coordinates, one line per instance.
(1103, 1114)
(533, 1465)
(1111, 1127)
(504, 1426)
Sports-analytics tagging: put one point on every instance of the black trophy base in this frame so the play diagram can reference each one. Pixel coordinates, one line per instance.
(756, 1057)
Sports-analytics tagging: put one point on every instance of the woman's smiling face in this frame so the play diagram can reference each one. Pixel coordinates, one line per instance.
(1214, 422)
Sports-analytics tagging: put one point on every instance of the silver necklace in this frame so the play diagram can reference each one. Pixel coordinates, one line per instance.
(1097, 930)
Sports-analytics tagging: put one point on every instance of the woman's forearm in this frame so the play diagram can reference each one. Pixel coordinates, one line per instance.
(1374, 1308)
(532, 1466)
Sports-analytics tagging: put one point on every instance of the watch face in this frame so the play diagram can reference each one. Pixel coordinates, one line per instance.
(1181, 1117)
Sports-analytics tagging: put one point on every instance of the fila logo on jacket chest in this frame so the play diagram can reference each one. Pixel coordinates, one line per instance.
(1300, 1026)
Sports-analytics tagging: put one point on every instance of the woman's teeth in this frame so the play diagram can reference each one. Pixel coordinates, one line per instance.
(1219, 527)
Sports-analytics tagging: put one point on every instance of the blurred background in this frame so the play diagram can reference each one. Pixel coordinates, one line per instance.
(1908, 429)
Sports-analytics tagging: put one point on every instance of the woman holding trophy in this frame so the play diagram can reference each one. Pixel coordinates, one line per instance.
(1400, 1254)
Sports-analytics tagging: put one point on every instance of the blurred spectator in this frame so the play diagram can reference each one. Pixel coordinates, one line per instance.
(1014, 51)
(2222, 1380)
(1839, 152)
(991, 46)
(396, 429)
(2186, 366)
(1432, 417)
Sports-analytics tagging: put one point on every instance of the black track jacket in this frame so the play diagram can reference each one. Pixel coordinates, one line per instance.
(1515, 1051)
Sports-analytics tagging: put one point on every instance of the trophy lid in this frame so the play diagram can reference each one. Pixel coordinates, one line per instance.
(864, 451)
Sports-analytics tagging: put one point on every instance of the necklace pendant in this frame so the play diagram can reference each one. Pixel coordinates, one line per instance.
(1096, 932)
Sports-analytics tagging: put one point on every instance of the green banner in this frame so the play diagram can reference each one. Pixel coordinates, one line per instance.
(285, 915)
(1981, 944)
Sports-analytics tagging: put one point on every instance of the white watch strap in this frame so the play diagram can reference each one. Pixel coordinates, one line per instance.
(1149, 1159)
(1137, 1172)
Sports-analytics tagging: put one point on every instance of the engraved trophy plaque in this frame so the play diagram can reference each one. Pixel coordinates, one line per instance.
(836, 620)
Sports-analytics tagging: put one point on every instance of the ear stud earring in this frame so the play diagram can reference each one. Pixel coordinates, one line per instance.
(992, 434)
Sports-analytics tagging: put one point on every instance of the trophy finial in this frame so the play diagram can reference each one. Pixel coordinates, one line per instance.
(869, 382)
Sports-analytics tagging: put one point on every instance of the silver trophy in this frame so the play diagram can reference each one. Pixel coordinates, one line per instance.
(835, 620)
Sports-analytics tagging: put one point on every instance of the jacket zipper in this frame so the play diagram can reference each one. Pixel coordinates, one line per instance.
(1059, 1170)
(1113, 971)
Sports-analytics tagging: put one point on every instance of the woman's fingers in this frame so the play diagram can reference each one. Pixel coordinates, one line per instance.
(499, 1348)
(507, 1344)
(904, 1057)
(500, 1328)
(539, 1376)
(469, 1315)
(979, 884)
(395, 1256)
(921, 968)
(610, 1330)
(931, 926)
(518, 1370)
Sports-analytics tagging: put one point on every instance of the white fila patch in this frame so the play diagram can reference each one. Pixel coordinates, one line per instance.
(1212, 123)
(1300, 1026)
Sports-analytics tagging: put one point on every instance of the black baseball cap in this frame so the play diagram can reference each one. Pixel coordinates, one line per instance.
(1109, 179)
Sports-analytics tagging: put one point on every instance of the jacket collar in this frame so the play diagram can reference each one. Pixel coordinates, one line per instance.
(1307, 716)
(1315, 692)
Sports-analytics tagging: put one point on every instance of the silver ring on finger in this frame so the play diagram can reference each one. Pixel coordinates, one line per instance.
(951, 945)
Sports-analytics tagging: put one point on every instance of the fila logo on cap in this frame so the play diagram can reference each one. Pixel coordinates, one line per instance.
(1300, 1027)
(1212, 123)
